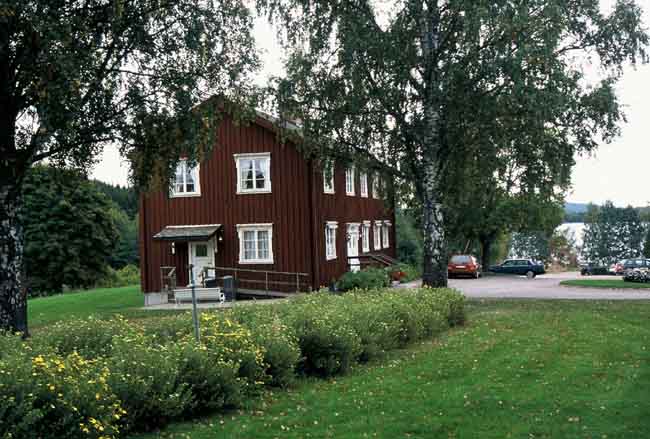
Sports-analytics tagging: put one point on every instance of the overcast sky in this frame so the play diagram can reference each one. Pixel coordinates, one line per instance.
(615, 172)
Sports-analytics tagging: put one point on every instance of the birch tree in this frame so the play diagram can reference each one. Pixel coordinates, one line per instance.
(424, 84)
(78, 74)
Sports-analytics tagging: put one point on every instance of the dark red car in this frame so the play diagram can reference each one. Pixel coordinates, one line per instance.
(463, 265)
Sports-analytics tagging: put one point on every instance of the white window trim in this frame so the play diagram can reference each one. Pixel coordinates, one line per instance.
(365, 243)
(241, 228)
(385, 234)
(363, 184)
(267, 181)
(375, 186)
(331, 225)
(349, 171)
(376, 237)
(328, 190)
(197, 183)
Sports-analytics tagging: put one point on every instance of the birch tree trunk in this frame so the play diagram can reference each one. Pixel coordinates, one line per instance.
(13, 296)
(434, 273)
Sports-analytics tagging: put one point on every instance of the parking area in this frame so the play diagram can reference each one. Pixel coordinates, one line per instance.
(546, 286)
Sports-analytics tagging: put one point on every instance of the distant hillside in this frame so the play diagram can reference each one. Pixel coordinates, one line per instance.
(575, 207)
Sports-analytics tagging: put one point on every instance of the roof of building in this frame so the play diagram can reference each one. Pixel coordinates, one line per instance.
(187, 233)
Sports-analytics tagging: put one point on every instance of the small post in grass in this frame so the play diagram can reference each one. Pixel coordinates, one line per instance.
(195, 317)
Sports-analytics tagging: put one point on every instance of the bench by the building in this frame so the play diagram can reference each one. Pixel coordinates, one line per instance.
(206, 294)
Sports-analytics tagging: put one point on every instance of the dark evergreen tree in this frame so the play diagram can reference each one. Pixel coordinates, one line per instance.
(69, 231)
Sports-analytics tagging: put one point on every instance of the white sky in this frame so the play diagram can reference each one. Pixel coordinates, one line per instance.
(615, 172)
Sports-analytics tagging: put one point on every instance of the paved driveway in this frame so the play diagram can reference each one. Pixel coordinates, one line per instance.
(542, 287)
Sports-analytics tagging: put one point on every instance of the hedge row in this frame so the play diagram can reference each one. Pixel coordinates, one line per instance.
(104, 378)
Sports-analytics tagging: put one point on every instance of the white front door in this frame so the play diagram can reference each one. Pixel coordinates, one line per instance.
(353, 247)
(201, 254)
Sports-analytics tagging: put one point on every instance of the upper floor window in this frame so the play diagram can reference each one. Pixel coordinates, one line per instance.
(253, 173)
(375, 186)
(376, 234)
(363, 184)
(349, 181)
(255, 243)
(365, 237)
(328, 177)
(186, 180)
(330, 240)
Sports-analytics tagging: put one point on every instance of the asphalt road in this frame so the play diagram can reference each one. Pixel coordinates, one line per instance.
(542, 287)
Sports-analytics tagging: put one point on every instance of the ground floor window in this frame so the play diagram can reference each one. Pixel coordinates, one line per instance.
(255, 243)
(376, 234)
(385, 234)
(365, 236)
(330, 239)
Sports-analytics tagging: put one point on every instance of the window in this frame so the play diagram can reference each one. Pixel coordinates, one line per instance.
(376, 234)
(349, 181)
(385, 234)
(201, 250)
(365, 237)
(363, 184)
(186, 180)
(330, 240)
(328, 177)
(255, 243)
(375, 186)
(253, 173)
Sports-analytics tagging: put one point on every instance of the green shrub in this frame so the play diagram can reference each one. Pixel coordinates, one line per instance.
(103, 378)
(408, 272)
(91, 337)
(124, 277)
(369, 278)
(49, 396)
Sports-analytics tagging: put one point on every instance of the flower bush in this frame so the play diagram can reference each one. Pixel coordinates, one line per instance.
(104, 378)
(368, 278)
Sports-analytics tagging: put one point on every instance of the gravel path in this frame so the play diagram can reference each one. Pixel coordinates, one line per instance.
(542, 287)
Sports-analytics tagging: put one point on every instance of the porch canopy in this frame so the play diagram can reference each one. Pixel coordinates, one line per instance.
(202, 232)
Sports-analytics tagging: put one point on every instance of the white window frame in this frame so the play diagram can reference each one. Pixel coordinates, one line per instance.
(328, 189)
(197, 183)
(375, 186)
(365, 237)
(267, 227)
(349, 181)
(363, 184)
(330, 247)
(385, 234)
(267, 181)
(376, 235)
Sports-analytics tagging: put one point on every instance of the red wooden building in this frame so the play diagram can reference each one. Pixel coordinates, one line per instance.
(259, 210)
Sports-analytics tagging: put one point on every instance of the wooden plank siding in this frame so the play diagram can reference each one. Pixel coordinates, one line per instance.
(297, 208)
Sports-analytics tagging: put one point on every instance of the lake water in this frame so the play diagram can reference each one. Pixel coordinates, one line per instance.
(578, 230)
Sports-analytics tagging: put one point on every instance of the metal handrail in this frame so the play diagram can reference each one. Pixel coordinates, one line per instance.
(266, 274)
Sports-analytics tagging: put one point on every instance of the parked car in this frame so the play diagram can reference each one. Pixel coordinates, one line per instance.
(593, 269)
(524, 267)
(631, 264)
(637, 275)
(463, 265)
(618, 268)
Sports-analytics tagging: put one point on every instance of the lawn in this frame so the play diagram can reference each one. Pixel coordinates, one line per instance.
(101, 301)
(520, 369)
(604, 283)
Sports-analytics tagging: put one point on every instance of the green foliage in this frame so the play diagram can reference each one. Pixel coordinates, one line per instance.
(612, 234)
(125, 197)
(124, 277)
(409, 238)
(367, 278)
(139, 376)
(69, 233)
(535, 245)
(646, 244)
(407, 272)
(126, 249)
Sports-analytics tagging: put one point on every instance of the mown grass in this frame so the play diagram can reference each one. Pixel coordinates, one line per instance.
(520, 369)
(605, 283)
(103, 302)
